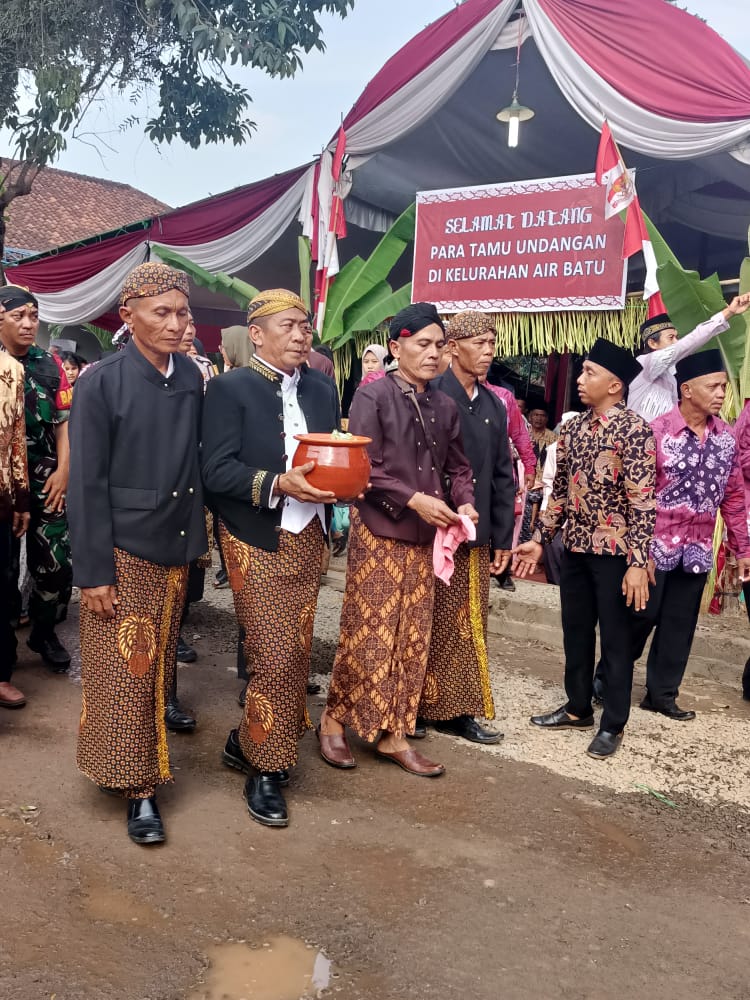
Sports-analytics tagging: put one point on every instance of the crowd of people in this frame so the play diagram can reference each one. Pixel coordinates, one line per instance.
(156, 455)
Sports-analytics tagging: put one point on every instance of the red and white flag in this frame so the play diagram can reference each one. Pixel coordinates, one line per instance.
(328, 256)
(621, 194)
(637, 238)
(613, 174)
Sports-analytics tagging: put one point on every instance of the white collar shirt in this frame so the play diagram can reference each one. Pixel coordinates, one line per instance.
(296, 515)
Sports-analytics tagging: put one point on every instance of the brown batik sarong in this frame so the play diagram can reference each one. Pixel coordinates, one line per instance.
(457, 681)
(385, 634)
(275, 597)
(127, 668)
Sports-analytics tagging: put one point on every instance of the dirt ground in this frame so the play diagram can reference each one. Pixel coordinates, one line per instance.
(529, 871)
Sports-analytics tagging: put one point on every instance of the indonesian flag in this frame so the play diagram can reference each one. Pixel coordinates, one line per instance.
(328, 259)
(613, 174)
(621, 194)
(637, 238)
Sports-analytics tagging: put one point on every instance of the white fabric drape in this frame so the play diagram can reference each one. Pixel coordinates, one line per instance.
(92, 297)
(508, 37)
(422, 95)
(594, 99)
(238, 249)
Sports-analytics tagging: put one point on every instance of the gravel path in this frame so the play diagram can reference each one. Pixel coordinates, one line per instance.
(707, 759)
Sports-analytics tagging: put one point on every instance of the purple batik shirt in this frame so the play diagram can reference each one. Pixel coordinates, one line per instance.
(694, 480)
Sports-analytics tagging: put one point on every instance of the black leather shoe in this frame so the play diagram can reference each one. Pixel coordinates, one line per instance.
(604, 744)
(176, 720)
(467, 727)
(669, 708)
(233, 756)
(264, 799)
(420, 729)
(144, 822)
(560, 719)
(185, 653)
(746, 682)
(313, 688)
(51, 650)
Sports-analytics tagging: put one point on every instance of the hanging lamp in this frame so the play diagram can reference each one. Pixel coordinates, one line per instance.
(515, 113)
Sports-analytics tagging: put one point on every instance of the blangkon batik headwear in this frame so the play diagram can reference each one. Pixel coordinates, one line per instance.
(151, 279)
(469, 324)
(273, 301)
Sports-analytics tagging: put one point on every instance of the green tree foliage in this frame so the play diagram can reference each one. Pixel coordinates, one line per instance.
(59, 56)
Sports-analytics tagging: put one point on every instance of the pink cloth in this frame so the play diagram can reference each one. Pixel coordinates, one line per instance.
(446, 542)
(371, 377)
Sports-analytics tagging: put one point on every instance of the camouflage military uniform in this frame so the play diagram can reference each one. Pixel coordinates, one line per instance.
(47, 542)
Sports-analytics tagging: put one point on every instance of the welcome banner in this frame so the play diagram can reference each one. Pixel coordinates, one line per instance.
(525, 246)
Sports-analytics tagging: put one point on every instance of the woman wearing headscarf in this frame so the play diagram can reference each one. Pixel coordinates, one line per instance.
(236, 348)
(416, 455)
(373, 363)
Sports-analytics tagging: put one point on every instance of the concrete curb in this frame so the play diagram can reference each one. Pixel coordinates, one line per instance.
(532, 614)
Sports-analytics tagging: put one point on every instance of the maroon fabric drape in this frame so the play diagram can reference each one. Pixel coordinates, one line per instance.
(60, 271)
(679, 69)
(201, 222)
(418, 54)
(207, 220)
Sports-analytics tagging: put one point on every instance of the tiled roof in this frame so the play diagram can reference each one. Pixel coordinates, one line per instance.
(64, 207)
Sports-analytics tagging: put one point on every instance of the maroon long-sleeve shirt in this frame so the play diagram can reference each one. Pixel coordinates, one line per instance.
(402, 462)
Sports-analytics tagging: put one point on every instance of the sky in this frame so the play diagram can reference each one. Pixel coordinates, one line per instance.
(297, 117)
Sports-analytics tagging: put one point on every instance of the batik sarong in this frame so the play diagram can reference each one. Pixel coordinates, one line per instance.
(457, 681)
(385, 634)
(275, 597)
(127, 668)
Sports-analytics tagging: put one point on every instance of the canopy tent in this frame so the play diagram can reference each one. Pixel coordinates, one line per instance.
(427, 121)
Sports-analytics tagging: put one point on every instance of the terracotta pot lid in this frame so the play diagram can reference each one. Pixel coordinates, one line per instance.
(330, 441)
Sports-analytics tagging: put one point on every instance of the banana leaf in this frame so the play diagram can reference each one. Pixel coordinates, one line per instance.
(378, 304)
(305, 263)
(220, 283)
(662, 251)
(690, 301)
(358, 276)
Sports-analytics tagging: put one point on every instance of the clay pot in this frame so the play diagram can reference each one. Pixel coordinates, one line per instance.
(342, 465)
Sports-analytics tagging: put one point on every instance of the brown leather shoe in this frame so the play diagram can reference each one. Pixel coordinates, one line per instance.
(335, 750)
(11, 697)
(413, 762)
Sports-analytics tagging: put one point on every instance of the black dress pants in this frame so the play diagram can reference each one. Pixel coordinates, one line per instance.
(591, 591)
(673, 607)
(7, 588)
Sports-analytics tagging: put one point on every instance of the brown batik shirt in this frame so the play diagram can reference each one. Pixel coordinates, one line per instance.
(603, 491)
(14, 477)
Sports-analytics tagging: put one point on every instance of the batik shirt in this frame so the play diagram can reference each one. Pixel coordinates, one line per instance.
(604, 486)
(14, 479)
(694, 480)
(47, 396)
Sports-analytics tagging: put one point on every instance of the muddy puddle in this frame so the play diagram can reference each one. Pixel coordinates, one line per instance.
(282, 969)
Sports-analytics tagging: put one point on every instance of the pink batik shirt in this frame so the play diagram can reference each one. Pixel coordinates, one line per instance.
(694, 480)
